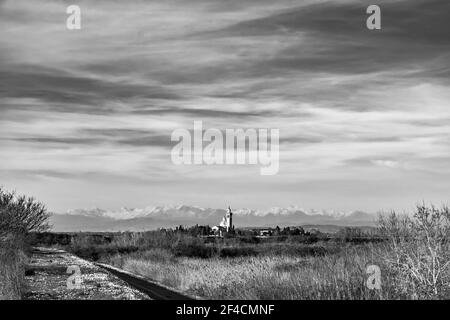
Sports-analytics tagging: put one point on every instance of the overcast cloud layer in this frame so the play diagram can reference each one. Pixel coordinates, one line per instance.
(86, 116)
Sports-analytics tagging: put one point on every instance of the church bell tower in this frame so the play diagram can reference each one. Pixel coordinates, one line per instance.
(229, 220)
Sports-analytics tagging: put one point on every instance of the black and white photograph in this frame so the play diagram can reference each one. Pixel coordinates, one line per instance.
(237, 151)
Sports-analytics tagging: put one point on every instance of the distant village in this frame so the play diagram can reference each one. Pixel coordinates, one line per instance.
(226, 228)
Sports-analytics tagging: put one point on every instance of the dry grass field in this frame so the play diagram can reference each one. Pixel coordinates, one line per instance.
(414, 260)
(11, 271)
(333, 276)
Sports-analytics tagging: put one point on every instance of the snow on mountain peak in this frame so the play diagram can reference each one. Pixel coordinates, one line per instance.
(186, 211)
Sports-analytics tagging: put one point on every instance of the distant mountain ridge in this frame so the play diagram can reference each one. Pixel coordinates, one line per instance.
(150, 218)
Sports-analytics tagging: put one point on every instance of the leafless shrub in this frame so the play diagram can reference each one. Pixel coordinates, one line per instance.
(20, 215)
(418, 251)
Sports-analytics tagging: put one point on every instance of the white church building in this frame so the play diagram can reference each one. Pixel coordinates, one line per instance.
(226, 225)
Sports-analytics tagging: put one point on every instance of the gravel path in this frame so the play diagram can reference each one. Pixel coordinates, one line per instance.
(47, 278)
(154, 290)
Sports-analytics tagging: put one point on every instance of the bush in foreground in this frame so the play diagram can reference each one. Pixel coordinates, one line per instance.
(418, 251)
(19, 215)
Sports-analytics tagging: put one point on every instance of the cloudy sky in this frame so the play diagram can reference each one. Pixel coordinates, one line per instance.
(86, 115)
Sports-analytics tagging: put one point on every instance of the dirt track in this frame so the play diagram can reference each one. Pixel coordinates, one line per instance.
(47, 277)
(153, 290)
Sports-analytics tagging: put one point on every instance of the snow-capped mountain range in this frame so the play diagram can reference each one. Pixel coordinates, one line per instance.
(199, 212)
(148, 218)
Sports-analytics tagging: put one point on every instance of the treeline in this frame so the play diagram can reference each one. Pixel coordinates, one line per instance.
(19, 216)
(345, 234)
(195, 241)
(199, 230)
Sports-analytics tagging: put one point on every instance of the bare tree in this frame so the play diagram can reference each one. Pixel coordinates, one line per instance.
(419, 250)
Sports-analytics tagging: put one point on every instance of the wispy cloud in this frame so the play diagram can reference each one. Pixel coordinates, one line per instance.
(363, 115)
